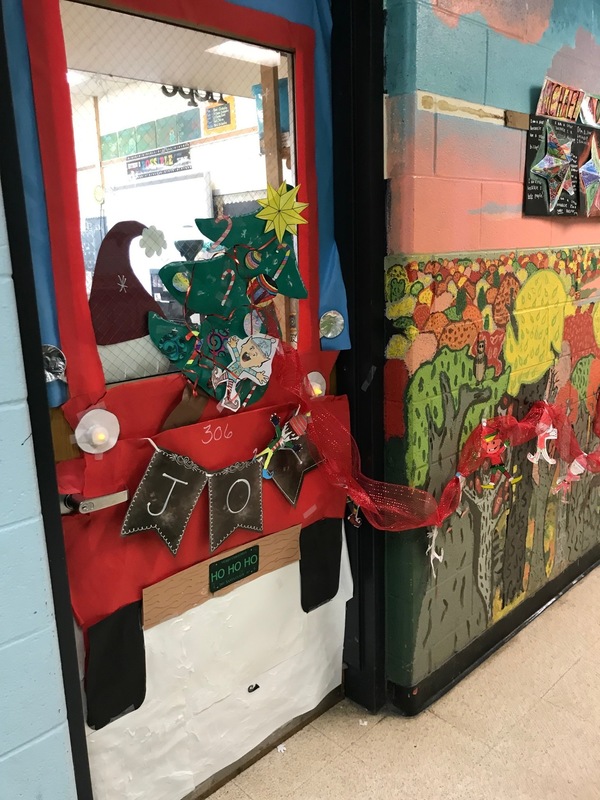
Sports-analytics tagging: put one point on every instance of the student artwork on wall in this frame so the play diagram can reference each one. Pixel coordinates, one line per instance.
(562, 169)
(590, 111)
(589, 175)
(560, 101)
(562, 174)
(551, 168)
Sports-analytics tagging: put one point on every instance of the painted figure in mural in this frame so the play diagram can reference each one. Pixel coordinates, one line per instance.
(480, 359)
(494, 447)
(248, 356)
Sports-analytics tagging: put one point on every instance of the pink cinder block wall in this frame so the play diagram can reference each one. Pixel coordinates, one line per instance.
(456, 185)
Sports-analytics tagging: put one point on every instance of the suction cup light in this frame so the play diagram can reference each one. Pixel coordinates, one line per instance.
(98, 431)
(317, 384)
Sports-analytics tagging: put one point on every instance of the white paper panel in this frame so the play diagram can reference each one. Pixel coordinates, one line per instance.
(198, 716)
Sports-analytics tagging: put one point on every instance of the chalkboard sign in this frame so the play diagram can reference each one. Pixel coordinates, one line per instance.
(233, 568)
(218, 116)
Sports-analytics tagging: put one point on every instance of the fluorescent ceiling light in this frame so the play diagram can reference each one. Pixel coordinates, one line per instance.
(246, 52)
(75, 78)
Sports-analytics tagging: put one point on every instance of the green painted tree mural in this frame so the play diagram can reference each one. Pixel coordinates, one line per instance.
(443, 408)
(446, 408)
(481, 336)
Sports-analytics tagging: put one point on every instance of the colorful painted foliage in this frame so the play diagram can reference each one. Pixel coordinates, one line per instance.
(476, 337)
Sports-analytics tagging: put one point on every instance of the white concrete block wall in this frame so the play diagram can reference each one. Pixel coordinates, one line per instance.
(35, 755)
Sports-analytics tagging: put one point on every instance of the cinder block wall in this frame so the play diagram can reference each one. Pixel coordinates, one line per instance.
(35, 755)
(458, 247)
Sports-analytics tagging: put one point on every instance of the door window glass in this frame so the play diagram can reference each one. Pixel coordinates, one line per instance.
(169, 127)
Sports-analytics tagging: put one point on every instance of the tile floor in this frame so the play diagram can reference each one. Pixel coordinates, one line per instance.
(524, 726)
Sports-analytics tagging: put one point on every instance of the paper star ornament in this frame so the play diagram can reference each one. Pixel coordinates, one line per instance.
(553, 165)
(589, 175)
(281, 210)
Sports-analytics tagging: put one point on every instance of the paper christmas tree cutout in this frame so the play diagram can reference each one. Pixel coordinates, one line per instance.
(233, 292)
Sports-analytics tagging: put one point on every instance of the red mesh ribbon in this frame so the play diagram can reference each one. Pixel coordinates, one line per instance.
(387, 506)
(393, 507)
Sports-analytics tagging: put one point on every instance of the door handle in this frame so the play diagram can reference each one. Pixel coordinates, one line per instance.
(76, 503)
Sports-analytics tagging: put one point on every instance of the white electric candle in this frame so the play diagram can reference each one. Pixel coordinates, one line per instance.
(98, 435)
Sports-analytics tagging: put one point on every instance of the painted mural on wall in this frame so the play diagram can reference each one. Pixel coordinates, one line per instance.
(475, 337)
(506, 17)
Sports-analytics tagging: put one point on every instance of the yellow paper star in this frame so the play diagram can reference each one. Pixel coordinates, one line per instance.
(281, 210)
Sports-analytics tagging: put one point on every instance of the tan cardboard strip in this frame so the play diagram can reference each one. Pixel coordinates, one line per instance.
(516, 119)
(189, 588)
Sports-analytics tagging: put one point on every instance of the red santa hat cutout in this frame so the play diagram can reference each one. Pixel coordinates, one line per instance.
(119, 304)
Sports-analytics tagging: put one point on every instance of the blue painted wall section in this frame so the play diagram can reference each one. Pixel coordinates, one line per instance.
(498, 59)
(35, 760)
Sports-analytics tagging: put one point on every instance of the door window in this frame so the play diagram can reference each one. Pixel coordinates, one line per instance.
(171, 124)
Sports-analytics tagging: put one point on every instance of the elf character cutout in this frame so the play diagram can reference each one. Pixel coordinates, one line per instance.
(251, 360)
(494, 447)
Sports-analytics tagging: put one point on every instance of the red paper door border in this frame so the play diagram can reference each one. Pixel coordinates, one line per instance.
(57, 147)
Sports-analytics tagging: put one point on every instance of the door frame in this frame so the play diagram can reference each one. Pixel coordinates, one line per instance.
(360, 214)
(19, 239)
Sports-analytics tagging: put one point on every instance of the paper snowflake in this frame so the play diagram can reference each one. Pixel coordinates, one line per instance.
(153, 241)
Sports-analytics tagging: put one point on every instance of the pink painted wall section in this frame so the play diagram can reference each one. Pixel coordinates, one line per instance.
(428, 211)
(456, 185)
(526, 21)
(407, 153)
